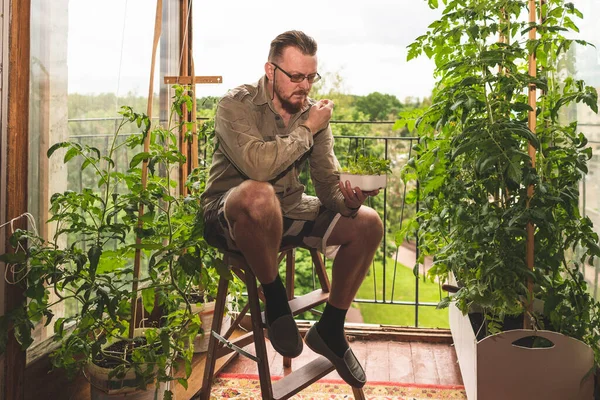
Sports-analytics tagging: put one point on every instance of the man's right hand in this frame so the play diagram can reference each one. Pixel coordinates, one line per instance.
(319, 115)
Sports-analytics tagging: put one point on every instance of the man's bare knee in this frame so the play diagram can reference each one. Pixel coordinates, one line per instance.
(254, 200)
(376, 225)
(370, 225)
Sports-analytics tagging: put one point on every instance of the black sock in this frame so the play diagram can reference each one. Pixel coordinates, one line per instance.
(331, 329)
(276, 299)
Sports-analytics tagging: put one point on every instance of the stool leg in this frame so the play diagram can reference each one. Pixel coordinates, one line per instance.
(320, 270)
(259, 337)
(290, 274)
(209, 366)
(358, 394)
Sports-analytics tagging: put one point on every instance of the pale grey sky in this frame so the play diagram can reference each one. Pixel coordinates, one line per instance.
(365, 42)
(109, 43)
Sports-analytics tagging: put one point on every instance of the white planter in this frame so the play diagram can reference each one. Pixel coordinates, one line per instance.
(105, 388)
(365, 182)
(494, 368)
(206, 312)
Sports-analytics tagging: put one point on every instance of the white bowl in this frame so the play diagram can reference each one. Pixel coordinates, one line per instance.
(366, 183)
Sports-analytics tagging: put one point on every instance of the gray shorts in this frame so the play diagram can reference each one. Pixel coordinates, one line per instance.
(312, 234)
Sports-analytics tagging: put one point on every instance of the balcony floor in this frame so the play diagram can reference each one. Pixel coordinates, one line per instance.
(388, 354)
(385, 359)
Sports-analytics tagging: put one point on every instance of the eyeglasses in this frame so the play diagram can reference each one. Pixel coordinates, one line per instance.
(297, 78)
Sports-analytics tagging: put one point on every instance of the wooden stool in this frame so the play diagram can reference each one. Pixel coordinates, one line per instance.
(296, 381)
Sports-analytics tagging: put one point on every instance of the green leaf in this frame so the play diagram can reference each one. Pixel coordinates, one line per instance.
(146, 246)
(148, 299)
(399, 238)
(13, 258)
(138, 158)
(23, 334)
(86, 163)
(72, 152)
(59, 326)
(444, 303)
(55, 147)
(521, 107)
(183, 382)
(94, 254)
(465, 147)
(190, 264)
(513, 171)
(591, 100)
(95, 150)
(188, 368)
(457, 104)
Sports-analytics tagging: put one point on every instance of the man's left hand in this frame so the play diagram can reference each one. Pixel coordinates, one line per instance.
(354, 197)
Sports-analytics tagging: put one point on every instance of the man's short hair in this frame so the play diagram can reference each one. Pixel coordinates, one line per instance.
(300, 40)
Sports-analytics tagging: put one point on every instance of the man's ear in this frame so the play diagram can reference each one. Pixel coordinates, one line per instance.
(269, 70)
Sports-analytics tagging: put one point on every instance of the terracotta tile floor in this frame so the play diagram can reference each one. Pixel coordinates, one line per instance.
(384, 361)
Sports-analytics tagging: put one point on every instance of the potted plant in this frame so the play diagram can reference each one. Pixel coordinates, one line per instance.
(366, 172)
(201, 297)
(202, 302)
(499, 198)
(94, 270)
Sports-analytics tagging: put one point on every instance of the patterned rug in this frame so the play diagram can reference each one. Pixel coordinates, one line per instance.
(247, 387)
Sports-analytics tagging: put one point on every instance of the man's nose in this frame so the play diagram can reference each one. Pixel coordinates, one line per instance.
(305, 84)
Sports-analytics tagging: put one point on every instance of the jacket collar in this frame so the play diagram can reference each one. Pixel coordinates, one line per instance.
(261, 97)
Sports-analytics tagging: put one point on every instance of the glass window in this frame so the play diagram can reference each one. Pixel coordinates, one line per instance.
(587, 67)
(88, 58)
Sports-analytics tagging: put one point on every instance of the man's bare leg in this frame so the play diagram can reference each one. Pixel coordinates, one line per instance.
(359, 238)
(254, 212)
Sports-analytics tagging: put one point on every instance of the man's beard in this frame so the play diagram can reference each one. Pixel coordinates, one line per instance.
(287, 105)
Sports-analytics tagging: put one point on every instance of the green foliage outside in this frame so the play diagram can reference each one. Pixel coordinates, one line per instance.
(377, 107)
(403, 290)
(402, 282)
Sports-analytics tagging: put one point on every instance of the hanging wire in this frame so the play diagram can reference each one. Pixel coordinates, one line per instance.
(11, 267)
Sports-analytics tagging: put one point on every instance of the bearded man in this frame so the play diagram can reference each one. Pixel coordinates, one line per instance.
(255, 204)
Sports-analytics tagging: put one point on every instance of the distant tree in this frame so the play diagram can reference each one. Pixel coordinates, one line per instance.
(208, 102)
(377, 106)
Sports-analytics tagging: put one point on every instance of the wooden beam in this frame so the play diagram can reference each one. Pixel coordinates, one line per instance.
(531, 123)
(138, 255)
(184, 44)
(187, 80)
(16, 172)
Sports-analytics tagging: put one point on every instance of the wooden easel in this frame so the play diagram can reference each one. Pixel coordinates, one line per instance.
(187, 77)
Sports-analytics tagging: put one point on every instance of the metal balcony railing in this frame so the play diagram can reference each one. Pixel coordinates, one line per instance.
(391, 203)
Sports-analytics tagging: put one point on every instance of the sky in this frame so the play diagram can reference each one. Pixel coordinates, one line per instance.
(365, 42)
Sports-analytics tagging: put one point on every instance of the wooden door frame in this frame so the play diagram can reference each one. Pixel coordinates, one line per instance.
(15, 174)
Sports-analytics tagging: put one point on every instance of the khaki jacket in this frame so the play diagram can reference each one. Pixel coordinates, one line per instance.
(253, 143)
